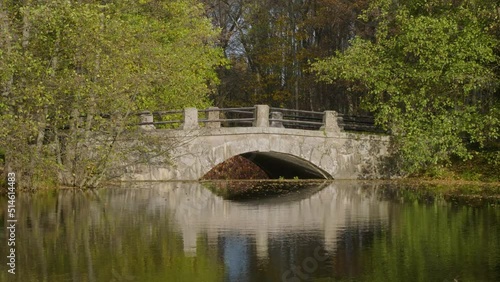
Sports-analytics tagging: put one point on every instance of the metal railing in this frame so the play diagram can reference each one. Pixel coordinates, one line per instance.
(299, 119)
(256, 116)
(211, 117)
(359, 124)
(228, 117)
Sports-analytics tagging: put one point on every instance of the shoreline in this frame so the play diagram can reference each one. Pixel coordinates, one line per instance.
(472, 193)
(446, 182)
(402, 181)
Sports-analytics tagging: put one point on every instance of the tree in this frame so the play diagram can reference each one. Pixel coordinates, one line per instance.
(74, 73)
(429, 76)
(269, 44)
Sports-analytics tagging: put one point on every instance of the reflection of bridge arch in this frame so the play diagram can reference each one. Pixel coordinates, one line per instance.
(198, 211)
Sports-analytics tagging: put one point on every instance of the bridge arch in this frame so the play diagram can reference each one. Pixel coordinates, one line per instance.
(282, 165)
(312, 153)
(318, 154)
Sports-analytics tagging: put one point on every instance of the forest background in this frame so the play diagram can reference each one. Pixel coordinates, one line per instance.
(74, 73)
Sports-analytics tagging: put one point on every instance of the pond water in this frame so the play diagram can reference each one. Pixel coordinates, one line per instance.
(337, 231)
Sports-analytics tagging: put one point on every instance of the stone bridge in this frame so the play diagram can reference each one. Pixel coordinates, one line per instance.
(270, 142)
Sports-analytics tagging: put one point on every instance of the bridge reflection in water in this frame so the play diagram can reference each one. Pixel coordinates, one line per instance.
(198, 211)
(362, 231)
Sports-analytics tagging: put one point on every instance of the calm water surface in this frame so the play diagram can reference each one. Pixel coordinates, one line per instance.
(345, 231)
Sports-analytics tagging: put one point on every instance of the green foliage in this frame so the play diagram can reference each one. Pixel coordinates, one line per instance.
(493, 158)
(185, 45)
(72, 73)
(429, 76)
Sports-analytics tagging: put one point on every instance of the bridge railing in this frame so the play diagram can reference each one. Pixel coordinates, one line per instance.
(289, 118)
(359, 123)
(191, 118)
(161, 119)
(257, 116)
(228, 117)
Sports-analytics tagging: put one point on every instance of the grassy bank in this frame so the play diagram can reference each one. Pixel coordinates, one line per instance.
(483, 167)
(471, 182)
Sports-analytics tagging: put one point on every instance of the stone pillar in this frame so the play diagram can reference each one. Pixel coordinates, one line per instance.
(213, 115)
(330, 122)
(275, 123)
(261, 116)
(147, 117)
(190, 119)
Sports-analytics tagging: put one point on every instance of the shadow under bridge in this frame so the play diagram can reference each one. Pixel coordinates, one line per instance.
(277, 165)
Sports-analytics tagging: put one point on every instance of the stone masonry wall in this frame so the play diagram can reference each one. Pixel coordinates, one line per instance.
(340, 154)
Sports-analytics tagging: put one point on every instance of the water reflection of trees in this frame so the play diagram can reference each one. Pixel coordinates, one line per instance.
(107, 235)
(183, 232)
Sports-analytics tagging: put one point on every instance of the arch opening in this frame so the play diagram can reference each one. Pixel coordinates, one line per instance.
(236, 167)
(266, 165)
